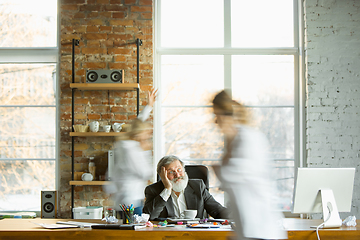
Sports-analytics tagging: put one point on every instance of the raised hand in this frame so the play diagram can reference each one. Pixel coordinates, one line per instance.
(164, 178)
(152, 97)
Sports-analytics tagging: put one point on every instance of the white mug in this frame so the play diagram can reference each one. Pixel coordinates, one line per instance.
(87, 177)
(107, 128)
(117, 127)
(94, 126)
(190, 214)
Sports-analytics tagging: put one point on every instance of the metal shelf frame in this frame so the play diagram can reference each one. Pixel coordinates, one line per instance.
(96, 86)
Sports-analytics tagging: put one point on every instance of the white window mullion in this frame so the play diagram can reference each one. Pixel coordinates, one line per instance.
(227, 42)
(29, 55)
(300, 86)
(227, 23)
(232, 51)
(227, 72)
(158, 140)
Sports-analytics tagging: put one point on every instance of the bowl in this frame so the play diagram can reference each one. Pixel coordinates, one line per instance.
(190, 214)
(87, 177)
(81, 128)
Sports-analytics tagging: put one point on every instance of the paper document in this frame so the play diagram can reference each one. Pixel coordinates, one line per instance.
(183, 219)
(79, 224)
(55, 226)
(206, 225)
(217, 220)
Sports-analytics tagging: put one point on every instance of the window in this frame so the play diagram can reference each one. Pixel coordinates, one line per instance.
(28, 105)
(249, 47)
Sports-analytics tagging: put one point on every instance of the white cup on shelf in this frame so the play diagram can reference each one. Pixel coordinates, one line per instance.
(107, 128)
(117, 127)
(94, 126)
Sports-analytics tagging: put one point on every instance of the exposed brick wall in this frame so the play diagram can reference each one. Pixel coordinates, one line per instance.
(107, 30)
(333, 86)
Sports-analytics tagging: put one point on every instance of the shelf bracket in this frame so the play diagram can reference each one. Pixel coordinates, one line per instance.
(75, 42)
(138, 44)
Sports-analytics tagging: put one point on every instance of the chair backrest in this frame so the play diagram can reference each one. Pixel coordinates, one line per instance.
(196, 172)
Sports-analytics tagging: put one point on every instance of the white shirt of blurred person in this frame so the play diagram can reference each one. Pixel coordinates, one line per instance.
(132, 161)
(246, 173)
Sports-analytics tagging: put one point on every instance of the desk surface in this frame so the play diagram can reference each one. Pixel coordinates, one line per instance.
(297, 229)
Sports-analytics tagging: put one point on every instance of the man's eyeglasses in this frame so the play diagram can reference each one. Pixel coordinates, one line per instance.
(173, 172)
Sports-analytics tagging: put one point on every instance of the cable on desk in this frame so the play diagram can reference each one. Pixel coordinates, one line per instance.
(317, 230)
(322, 224)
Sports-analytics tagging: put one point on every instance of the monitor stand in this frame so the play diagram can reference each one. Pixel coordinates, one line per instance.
(330, 211)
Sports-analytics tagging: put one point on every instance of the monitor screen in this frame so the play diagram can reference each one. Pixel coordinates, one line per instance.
(309, 181)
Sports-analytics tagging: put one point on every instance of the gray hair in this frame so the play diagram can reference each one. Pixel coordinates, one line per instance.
(166, 161)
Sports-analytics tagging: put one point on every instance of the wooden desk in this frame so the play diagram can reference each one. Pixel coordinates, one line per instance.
(301, 229)
(25, 229)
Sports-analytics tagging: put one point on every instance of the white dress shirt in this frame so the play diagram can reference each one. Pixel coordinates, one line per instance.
(178, 202)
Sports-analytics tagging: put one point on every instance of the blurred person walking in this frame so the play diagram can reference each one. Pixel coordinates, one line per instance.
(246, 173)
(132, 161)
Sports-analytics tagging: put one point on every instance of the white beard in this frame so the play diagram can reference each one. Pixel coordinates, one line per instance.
(178, 186)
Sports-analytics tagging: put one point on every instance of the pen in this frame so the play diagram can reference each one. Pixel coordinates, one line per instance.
(124, 207)
(125, 213)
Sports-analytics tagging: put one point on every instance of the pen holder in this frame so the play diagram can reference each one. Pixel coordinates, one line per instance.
(128, 213)
(128, 217)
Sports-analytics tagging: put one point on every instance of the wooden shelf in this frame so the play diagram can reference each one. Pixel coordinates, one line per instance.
(95, 134)
(105, 86)
(90, 183)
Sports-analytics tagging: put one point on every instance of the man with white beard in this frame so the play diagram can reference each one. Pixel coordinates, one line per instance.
(175, 193)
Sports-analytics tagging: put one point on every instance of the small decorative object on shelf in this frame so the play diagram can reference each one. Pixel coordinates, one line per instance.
(81, 128)
(92, 167)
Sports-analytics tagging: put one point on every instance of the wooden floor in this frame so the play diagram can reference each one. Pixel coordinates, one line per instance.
(26, 229)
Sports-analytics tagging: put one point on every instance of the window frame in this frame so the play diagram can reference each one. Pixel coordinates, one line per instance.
(38, 55)
(299, 84)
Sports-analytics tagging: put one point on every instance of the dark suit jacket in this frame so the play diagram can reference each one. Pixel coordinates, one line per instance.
(196, 197)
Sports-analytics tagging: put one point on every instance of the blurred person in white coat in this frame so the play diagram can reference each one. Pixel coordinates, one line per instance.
(246, 173)
(132, 161)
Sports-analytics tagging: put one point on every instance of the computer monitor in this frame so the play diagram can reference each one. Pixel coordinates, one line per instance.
(324, 190)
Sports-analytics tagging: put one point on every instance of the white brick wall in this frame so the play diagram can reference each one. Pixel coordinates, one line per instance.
(332, 29)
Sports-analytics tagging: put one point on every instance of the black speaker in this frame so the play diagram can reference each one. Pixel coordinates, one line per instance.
(48, 204)
(104, 76)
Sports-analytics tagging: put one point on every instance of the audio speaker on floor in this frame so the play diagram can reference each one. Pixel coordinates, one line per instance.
(48, 204)
(104, 76)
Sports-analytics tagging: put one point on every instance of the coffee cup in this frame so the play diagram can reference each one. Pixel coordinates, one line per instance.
(94, 126)
(87, 177)
(107, 128)
(190, 214)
